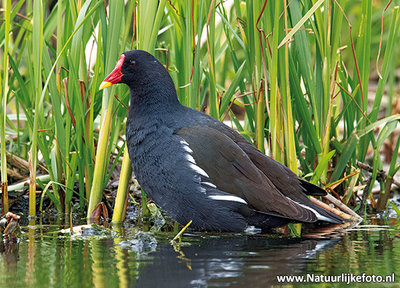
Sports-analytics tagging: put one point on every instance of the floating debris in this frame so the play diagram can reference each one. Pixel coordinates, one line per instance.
(142, 242)
(91, 230)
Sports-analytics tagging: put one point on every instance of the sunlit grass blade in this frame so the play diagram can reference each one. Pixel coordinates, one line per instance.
(37, 43)
(228, 95)
(321, 167)
(213, 97)
(4, 90)
(122, 193)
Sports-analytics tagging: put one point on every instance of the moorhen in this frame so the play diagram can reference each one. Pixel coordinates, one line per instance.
(197, 168)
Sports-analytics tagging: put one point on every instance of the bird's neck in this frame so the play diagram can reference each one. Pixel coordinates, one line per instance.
(153, 97)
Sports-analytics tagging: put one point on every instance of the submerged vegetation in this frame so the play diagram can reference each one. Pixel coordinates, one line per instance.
(293, 77)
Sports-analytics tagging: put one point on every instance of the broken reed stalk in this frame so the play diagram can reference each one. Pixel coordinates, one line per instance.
(17, 162)
(342, 206)
(335, 211)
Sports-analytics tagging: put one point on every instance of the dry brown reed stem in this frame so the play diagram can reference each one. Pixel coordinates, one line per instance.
(335, 211)
(341, 206)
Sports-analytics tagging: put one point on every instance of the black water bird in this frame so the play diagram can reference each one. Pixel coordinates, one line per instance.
(197, 168)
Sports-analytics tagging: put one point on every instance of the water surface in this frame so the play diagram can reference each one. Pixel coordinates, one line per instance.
(43, 257)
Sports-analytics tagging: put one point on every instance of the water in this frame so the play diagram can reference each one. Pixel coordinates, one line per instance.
(43, 257)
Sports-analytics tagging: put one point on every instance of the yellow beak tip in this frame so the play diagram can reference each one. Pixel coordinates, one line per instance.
(105, 84)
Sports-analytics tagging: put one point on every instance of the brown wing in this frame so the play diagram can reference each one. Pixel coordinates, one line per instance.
(232, 171)
(281, 176)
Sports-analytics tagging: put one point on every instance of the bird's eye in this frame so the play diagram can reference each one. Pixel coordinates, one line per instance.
(132, 62)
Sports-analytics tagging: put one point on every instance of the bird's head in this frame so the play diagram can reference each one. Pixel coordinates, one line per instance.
(136, 67)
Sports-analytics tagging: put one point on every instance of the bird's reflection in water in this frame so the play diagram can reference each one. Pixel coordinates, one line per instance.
(234, 261)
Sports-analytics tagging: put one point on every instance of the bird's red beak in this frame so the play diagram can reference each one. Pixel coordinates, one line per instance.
(115, 76)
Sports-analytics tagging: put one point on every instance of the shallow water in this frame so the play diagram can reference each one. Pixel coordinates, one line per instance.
(43, 257)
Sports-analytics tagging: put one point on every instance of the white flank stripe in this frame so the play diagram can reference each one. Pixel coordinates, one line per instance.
(186, 146)
(228, 198)
(198, 170)
(190, 158)
(209, 184)
(319, 216)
